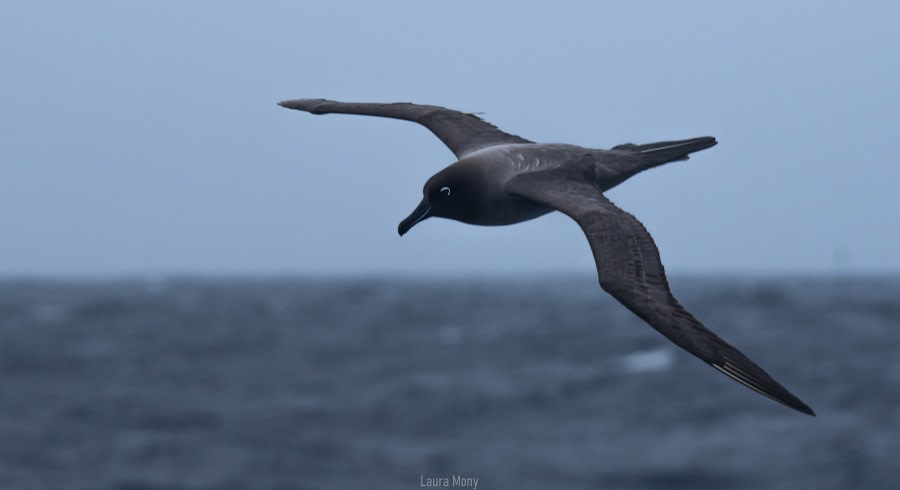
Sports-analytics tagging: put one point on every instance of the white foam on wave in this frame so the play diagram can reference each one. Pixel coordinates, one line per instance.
(49, 313)
(450, 334)
(647, 360)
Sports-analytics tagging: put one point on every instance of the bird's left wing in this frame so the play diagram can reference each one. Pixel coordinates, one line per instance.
(462, 132)
(629, 268)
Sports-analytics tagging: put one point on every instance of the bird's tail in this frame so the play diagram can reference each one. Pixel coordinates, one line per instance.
(653, 154)
(630, 159)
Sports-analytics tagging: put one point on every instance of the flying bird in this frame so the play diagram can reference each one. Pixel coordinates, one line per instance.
(501, 179)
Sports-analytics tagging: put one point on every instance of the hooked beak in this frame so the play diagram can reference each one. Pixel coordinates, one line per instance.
(421, 212)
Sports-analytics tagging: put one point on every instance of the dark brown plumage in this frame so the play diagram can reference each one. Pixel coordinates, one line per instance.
(503, 179)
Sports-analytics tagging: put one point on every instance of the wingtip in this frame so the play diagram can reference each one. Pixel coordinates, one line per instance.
(290, 104)
(796, 404)
(766, 387)
(313, 106)
(805, 409)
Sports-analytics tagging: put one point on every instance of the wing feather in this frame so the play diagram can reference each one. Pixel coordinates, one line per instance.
(629, 268)
(462, 132)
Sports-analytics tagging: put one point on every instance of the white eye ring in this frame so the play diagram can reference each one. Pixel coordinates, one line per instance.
(445, 191)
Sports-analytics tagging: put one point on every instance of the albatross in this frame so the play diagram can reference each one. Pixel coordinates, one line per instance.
(502, 179)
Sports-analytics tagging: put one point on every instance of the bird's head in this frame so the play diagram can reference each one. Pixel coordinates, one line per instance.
(447, 194)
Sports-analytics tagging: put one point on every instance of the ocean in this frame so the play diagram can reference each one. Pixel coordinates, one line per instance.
(389, 383)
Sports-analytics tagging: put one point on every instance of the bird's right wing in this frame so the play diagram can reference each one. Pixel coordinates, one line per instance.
(629, 268)
(462, 132)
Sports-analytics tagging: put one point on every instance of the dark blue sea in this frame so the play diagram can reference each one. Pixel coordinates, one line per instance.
(522, 383)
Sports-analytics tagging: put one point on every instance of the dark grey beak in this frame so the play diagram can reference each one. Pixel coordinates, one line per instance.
(421, 212)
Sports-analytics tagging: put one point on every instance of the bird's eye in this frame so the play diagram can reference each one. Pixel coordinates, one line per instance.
(445, 191)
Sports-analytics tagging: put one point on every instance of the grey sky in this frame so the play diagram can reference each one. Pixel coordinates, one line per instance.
(144, 137)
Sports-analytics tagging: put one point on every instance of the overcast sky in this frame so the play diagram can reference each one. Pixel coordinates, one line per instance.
(144, 137)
